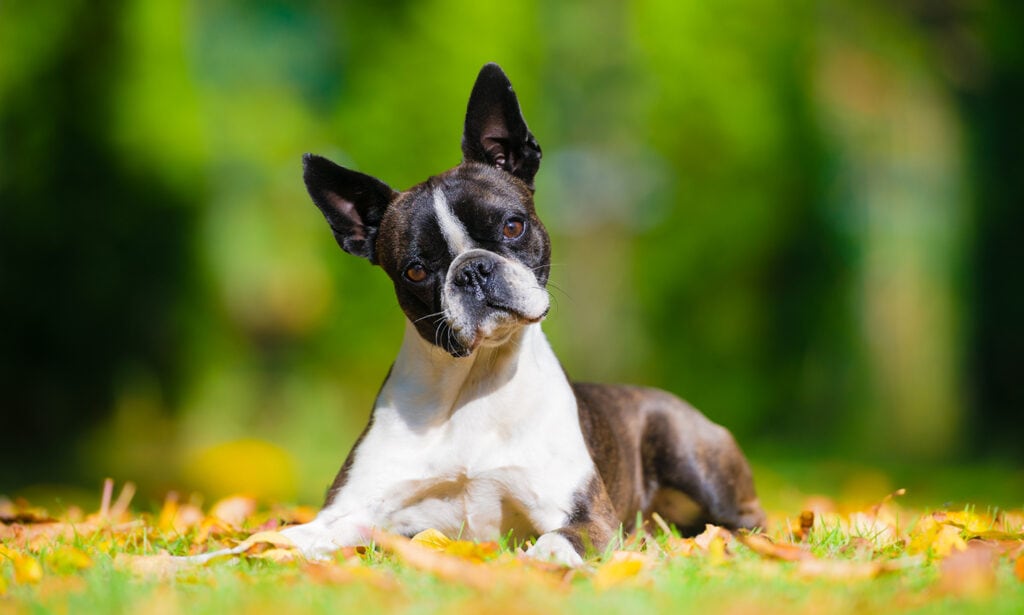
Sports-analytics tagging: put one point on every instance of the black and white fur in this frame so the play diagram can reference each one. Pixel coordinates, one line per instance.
(477, 431)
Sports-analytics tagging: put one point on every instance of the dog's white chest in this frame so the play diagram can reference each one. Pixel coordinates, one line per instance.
(502, 451)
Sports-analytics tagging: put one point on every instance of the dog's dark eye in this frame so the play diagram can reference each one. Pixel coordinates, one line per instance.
(514, 228)
(416, 273)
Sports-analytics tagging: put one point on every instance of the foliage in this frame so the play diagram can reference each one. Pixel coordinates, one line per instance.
(885, 558)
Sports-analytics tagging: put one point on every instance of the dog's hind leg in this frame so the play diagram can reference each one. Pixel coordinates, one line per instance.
(683, 450)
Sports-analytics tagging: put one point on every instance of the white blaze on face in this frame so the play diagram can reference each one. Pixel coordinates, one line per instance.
(451, 227)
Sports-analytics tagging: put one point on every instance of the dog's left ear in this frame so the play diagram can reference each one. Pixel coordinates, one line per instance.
(495, 133)
(353, 203)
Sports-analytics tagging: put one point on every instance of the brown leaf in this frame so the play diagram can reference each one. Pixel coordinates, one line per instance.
(162, 565)
(970, 572)
(806, 523)
(714, 540)
(234, 510)
(343, 574)
(762, 545)
(447, 567)
(679, 547)
(840, 570)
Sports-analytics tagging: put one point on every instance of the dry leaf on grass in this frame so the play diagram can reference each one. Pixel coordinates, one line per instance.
(346, 574)
(234, 510)
(762, 545)
(161, 566)
(840, 570)
(971, 572)
(622, 568)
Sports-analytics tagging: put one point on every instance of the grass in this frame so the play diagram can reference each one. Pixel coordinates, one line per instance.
(883, 558)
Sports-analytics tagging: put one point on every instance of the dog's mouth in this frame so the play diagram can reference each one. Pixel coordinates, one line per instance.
(495, 328)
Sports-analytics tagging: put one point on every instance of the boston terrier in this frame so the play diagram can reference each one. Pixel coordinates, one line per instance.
(477, 431)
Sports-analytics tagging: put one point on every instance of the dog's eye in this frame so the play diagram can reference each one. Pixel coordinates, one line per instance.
(514, 228)
(416, 273)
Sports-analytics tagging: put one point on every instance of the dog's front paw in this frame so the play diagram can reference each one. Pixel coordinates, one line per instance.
(312, 539)
(554, 547)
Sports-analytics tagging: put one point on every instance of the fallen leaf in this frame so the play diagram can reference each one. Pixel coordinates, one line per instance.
(710, 534)
(713, 541)
(970, 572)
(275, 539)
(234, 510)
(762, 545)
(839, 570)
(26, 568)
(477, 551)
(806, 523)
(447, 567)
(622, 568)
(162, 565)
(432, 539)
(68, 558)
(675, 546)
(277, 555)
(947, 540)
(341, 574)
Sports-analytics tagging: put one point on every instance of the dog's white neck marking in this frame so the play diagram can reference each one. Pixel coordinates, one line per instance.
(472, 447)
(451, 227)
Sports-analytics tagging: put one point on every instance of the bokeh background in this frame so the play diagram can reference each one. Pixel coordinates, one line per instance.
(804, 217)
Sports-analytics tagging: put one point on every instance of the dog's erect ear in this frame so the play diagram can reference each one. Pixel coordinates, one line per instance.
(495, 132)
(352, 202)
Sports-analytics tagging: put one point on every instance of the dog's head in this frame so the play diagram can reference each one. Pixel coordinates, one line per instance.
(467, 254)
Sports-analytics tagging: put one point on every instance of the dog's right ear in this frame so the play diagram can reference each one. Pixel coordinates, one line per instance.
(353, 203)
(495, 132)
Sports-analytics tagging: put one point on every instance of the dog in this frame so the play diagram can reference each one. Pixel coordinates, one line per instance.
(477, 431)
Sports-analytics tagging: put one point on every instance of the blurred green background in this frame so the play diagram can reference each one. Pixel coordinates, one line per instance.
(803, 217)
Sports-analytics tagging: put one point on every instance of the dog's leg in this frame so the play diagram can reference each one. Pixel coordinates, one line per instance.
(588, 529)
(684, 450)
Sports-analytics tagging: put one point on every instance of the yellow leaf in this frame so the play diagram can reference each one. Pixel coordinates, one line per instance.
(947, 540)
(69, 558)
(972, 522)
(923, 535)
(432, 539)
(279, 555)
(276, 539)
(3, 586)
(618, 571)
(26, 569)
(447, 567)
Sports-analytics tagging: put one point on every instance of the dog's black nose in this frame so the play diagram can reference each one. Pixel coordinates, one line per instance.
(475, 273)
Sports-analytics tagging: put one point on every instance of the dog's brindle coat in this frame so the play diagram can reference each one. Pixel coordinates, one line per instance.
(476, 430)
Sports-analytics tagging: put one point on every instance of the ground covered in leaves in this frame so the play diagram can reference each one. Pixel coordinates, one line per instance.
(818, 559)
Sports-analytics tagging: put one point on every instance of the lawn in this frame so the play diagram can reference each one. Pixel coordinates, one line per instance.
(819, 555)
